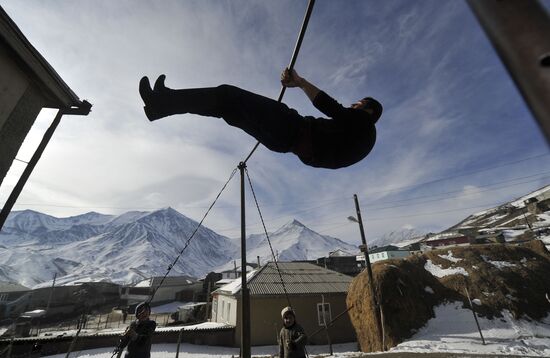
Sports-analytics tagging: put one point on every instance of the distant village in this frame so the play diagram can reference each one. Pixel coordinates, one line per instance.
(319, 288)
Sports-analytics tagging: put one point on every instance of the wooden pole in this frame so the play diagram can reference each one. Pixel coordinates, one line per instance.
(365, 250)
(474, 313)
(179, 342)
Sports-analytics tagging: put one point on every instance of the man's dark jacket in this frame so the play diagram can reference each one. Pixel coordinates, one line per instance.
(338, 142)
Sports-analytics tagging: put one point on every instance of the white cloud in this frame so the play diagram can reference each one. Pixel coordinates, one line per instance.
(411, 55)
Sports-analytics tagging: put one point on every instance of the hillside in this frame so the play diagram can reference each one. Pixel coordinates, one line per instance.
(501, 279)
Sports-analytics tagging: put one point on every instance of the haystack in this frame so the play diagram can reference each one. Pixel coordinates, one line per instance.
(501, 277)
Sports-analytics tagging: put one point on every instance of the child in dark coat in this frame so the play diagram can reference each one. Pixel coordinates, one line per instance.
(139, 333)
(292, 338)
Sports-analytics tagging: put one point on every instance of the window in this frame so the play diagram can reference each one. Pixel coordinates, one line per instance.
(215, 308)
(223, 308)
(323, 313)
(228, 311)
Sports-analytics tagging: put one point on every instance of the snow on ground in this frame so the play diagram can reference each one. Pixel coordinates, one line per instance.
(519, 202)
(498, 264)
(195, 351)
(454, 331)
(450, 257)
(511, 234)
(439, 271)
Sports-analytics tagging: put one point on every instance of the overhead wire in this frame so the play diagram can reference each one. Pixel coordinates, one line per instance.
(295, 203)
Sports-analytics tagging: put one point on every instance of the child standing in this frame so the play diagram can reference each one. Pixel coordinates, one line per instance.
(292, 338)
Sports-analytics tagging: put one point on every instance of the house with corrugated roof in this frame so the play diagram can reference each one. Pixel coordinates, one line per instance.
(14, 299)
(317, 295)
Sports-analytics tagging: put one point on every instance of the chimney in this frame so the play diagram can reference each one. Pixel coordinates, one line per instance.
(258, 261)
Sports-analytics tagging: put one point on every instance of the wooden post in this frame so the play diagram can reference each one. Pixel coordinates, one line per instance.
(325, 324)
(364, 249)
(179, 341)
(475, 316)
(71, 347)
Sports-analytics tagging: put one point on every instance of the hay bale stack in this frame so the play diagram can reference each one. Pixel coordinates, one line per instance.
(502, 277)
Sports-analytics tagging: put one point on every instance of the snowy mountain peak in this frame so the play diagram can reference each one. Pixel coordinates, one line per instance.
(292, 226)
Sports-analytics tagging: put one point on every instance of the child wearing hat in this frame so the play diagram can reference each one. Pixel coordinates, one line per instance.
(138, 335)
(292, 338)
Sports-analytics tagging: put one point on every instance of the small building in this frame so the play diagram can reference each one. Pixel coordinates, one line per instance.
(341, 261)
(317, 295)
(444, 240)
(536, 206)
(73, 299)
(490, 238)
(168, 292)
(14, 299)
(385, 253)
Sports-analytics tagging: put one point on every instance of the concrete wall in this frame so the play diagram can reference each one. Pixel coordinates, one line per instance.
(225, 310)
(51, 346)
(266, 321)
(20, 103)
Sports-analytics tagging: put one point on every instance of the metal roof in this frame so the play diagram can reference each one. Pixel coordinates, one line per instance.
(12, 287)
(298, 278)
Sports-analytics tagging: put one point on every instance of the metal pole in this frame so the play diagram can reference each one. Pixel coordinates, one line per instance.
(519, 32)
(51, 293)
(365, 250)
(292, 60)
(83, 110)
(245, 296)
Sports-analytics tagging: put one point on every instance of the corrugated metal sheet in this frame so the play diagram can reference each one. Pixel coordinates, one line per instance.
(298, 278)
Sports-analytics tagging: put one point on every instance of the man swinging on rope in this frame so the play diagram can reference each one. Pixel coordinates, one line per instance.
(344, 139)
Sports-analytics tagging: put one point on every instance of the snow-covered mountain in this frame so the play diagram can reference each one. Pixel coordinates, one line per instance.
(292, 242)
(97, 247)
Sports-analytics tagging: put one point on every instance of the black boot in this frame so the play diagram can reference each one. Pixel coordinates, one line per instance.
(156, 99)
(162, 101)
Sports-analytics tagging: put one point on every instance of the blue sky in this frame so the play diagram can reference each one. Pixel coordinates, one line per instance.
(455, 137)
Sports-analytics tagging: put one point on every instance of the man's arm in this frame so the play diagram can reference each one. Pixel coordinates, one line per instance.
(292, 79)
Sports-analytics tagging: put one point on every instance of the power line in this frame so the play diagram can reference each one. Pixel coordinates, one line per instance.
(325, 201)
(385, 207)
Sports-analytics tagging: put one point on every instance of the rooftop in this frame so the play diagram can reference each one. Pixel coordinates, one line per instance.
(298, 278)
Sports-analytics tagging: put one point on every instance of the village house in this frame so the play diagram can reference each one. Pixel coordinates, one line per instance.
(444, 240)
(184, 288)
(14, 299)
(316, 294)
(78, 298)
(385, 253)
(341, 261)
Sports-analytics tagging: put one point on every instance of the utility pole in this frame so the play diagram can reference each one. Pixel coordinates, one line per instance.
(51, 293)
(364, 249)
(245, 295)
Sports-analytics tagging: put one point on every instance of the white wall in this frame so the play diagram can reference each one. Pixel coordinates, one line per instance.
(224, 310)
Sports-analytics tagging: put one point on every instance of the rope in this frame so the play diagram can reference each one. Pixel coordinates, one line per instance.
(292, 61)
(268, 240)
(191, 237)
